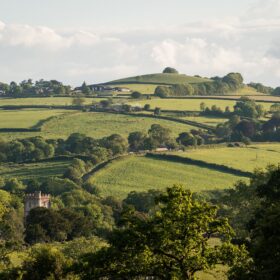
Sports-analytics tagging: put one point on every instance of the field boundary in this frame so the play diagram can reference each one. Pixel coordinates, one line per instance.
(200, 163)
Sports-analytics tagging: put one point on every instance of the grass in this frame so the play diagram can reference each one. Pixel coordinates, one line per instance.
(161, 78)
(189, 104)
(97, 125)
(61, 101)
(39, 170)
(246, 159)
(141, 174)
(26, 118)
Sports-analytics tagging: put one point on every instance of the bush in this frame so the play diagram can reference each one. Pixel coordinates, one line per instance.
(136, 94)
(170, 70)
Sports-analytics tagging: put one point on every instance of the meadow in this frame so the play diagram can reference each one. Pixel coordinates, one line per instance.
(26, 118)
(189, 104)
(161, 78)
(38, 170)
(51, 101)
(245, 159)
(136, 173)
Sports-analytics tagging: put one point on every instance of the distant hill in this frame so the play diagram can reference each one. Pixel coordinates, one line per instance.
(160, 79)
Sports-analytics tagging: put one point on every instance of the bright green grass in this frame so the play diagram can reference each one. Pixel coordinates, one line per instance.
(189, 104)
(34, 170)
(161, 78)
(26, 118)
(246, 159)
(141, 174)
(61, 101)
(143, 88)
(97, 125)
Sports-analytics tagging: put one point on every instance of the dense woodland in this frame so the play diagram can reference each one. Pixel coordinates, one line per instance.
(173, 233)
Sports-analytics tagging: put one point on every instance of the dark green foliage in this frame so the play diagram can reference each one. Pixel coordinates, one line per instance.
(142, 201)
(45, 225)
(162, 91)
(248, 108)
(136, 94)
(41, 87)
(276, 91)
(171, 244)
(170, 70)
(261, 88)
(264, 233)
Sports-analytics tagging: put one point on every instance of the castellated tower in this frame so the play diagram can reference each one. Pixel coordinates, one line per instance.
(36, 199)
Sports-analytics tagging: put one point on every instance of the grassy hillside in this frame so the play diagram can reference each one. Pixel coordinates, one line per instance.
(246, 159)
(140, 174)
(189, 104)
(97, 125)
(26, 118)
(160, 78)
(52, 101)
(34, 170)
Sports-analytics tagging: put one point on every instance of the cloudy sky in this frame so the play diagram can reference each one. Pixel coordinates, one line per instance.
(101, 40)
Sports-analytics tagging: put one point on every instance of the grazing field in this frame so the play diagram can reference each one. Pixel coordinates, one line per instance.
(26, 118)
(246, 159)
(141, 174)
(161, 78)
(189, 104)
(52, 101)
(97, 125)
(38, 171)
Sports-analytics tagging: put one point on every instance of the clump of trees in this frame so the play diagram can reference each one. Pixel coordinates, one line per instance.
(41, 87)
(229, 83)
(261, 88)
(170, 70)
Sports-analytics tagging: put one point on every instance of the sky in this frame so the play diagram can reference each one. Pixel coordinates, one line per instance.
(101, 40)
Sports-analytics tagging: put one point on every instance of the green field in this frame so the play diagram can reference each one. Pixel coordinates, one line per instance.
(39, 170)
(161, 78)
(189, 104)
(246, 159)
(26, 118)
(141, 174)
(52, 101)
(97, 125)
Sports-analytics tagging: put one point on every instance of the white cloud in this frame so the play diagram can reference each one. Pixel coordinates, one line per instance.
(249, 45)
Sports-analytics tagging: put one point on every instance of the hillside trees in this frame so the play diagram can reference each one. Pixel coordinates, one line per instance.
(264, 231)
(171, 244)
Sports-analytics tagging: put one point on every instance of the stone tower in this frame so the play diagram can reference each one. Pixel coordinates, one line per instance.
(36, 199)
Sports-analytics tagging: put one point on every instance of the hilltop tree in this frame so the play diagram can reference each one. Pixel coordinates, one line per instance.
(85, 89)
(170, 70)
(171, 244)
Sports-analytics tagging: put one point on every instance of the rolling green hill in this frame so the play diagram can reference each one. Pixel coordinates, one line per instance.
(161, 79)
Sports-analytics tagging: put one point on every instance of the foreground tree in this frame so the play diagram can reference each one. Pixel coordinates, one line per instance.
(264, 234)
(171, 244)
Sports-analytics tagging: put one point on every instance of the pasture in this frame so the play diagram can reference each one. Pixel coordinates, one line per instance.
(26, 118)
(190, 104)
(245, 159)
(136, 173)
(38, 170)
(160, 78)
(51, 101)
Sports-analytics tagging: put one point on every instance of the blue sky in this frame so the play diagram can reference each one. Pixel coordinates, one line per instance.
(97, 41)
